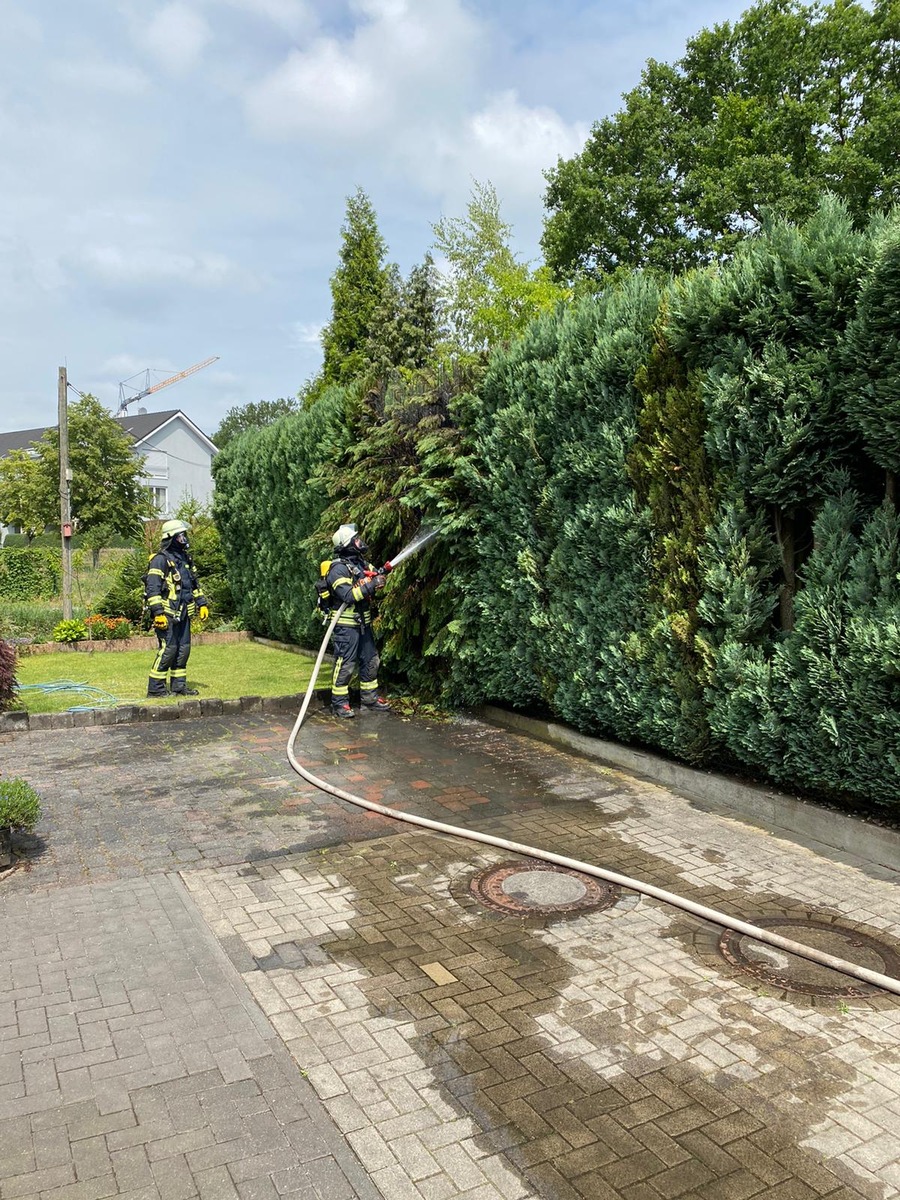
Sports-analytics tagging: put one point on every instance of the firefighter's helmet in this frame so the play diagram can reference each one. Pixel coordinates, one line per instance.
(344, 536)
(171, 529)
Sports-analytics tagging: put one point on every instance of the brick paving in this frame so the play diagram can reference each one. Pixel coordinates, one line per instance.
(216, 981)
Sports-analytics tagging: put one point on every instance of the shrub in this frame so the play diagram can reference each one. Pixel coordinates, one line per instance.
(126, 596)
(8, 684)
(70, 631)
(29, 573)
(218, 595)
(20, 805)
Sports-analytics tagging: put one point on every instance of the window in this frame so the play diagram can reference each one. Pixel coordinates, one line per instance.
(156, 463)
(160, 499)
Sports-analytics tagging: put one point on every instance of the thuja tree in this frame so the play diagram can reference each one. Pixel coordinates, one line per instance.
(600, 606)
(404, 467)
(738, 564)
(358, 288)
(871, 358)
(673, 481)
(765, 331)
(503, 608)
(557, 591)
(833, 710)
(268, 502)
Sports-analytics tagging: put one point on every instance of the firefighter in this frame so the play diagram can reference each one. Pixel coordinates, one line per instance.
(173, 595)
(353, 581)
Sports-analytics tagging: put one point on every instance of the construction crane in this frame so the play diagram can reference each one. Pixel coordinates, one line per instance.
(147, 389)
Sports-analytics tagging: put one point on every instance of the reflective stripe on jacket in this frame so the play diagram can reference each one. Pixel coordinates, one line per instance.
(172, 588)
(348, 585)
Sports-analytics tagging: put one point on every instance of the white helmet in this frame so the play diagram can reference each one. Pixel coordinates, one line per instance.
(344, 536)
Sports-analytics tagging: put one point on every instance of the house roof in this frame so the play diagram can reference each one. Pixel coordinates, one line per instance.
(138, 425)
(18, 440)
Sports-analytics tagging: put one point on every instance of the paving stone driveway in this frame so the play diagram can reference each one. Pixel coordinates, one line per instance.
(216, 981)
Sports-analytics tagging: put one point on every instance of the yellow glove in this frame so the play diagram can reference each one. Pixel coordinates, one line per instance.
(204, 613)
(160, 622)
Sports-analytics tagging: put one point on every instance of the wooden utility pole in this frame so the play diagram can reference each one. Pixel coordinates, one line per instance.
(65, 480)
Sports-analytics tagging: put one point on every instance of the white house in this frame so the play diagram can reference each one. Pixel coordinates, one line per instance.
(178, 456)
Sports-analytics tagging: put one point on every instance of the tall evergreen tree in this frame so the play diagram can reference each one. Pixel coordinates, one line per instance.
(406, 326)
(358, 288)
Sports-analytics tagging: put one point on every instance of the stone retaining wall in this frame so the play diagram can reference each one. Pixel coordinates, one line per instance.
(135, 643)
(124, 714)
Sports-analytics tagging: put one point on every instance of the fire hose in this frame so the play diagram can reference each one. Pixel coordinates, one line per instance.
(788, 945)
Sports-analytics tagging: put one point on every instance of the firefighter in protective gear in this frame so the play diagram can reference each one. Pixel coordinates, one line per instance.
(353, 581)
(173, 595)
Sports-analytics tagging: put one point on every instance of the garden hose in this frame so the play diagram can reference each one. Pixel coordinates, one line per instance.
(67, 685)
(787, 945)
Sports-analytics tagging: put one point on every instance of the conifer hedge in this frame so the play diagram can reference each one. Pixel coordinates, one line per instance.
(669, 514)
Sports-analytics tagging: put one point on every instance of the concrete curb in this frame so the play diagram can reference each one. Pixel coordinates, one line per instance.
(123, 714)
(790, 816)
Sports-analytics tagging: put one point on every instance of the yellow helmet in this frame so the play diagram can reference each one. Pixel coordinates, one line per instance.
(171, 529)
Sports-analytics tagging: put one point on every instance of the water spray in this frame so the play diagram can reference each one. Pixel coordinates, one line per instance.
(419, 542)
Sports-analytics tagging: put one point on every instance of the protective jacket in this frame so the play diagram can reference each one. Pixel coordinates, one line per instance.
(172, 586)
(352, 641)
(347, 584)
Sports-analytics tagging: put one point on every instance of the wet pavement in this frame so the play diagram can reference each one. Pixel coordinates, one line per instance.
(217, 981)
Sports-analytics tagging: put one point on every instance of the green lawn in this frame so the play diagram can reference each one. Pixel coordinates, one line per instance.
(221, 672)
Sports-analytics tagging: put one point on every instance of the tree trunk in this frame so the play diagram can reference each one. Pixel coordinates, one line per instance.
(890, 487)
(784, 531)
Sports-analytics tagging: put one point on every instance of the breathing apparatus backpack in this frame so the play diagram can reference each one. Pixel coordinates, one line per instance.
(323, 592)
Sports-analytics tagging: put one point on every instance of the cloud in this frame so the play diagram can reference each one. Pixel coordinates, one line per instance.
(113, 266)
(175, 37)
(306, 333)
(100, 76)
(293, 16)
(400, 62)
(522, 137)
(323, 92)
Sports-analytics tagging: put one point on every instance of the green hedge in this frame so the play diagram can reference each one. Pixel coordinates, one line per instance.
(268, 502)
(33, 573)
(669, 513)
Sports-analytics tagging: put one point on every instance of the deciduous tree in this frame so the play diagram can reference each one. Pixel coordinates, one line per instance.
(108, 481)
(760, 116)
(251, 416)
(489, 296)
(24, 497)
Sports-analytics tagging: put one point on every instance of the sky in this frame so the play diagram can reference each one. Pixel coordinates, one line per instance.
(174, 175)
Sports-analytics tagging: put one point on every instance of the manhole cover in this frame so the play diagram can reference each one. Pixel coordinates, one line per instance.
(540, 890)
(794, 974)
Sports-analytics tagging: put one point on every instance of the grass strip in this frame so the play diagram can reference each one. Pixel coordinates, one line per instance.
(222, 672)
